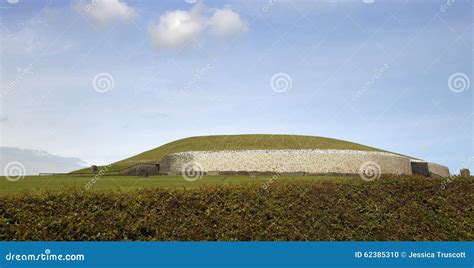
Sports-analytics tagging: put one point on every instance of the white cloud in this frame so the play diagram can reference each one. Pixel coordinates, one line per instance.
(104, 12)
(226, 22)
(177, 28)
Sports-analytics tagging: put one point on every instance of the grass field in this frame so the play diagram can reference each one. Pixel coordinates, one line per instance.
(238, 142)
(34, 184)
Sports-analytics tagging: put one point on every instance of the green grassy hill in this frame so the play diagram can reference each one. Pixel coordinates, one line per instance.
(238, 142)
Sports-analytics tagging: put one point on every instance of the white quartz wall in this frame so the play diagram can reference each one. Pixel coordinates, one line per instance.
(308, 161)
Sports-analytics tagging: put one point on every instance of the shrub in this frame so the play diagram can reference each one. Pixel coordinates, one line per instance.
(386, 209)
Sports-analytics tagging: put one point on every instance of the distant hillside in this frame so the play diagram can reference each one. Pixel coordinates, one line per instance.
(238, 142)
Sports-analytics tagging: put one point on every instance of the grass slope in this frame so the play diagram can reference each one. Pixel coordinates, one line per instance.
(391, 208)
(238, 142)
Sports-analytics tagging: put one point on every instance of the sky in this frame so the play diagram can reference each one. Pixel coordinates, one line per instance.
(93, 82)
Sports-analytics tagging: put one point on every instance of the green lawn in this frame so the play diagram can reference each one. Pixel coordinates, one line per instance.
(126, 183)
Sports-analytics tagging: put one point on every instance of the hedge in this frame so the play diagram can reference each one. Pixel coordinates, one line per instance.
(407, 208)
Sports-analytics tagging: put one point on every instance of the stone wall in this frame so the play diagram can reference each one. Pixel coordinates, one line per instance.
(142, 170)
(420, 168)
(289, 161)
(437, 170)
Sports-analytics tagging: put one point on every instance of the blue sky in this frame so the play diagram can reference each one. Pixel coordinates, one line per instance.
(390, 74)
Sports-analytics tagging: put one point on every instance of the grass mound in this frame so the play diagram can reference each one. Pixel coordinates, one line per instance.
(238, 142)
(408, 208)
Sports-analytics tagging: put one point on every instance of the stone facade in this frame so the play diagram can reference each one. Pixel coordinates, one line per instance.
(142, 170)
(299, 162)
(437, 170)
(288, 161)
(420, 168)
(465, 173)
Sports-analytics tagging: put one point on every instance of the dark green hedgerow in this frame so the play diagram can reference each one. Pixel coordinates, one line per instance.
(387, 209)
